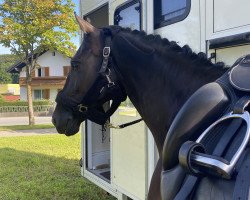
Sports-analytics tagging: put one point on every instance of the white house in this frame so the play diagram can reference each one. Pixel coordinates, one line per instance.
(47, 79)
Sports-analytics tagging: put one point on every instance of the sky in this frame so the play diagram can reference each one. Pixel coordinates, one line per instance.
(75, 40)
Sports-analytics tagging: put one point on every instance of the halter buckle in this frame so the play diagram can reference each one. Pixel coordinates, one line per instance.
(106, 52)
(82, 108)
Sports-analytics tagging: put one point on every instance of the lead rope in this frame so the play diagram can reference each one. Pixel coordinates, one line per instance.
(110, 125)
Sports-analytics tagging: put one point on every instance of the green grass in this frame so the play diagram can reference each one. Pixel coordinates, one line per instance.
(26, 127)
(44, 167)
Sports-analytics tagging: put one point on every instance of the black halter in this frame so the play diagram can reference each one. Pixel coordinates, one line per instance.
(103, 90)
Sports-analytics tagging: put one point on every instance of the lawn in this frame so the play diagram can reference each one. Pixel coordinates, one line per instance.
(26, 127)
(44, 167)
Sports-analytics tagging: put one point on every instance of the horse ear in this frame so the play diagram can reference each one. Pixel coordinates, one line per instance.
(84, 25)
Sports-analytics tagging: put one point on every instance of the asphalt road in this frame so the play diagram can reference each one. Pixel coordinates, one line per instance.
(8, 121)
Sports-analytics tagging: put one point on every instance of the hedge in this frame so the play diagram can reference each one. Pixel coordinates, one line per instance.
(1, 99)
(25, 103)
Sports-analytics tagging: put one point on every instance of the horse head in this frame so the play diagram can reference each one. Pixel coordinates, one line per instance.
(90, 83)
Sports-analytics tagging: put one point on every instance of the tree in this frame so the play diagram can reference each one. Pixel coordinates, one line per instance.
(6, 60)
(5, 77)
(29, 27)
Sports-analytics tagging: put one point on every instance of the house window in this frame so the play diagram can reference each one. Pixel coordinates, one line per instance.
(38, 94)
(40, 72)
(43, 71)
(41, 94)
(129, 15)
(170, 11)
(66, 70)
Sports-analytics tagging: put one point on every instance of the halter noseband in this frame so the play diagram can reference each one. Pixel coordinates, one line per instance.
(91, 105)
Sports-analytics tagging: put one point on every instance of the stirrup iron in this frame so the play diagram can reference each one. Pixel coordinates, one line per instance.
(193, 157)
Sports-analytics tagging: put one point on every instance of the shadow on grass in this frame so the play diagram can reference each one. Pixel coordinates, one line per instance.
(26, 175)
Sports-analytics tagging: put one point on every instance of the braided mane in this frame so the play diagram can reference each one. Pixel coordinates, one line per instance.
(163, 46)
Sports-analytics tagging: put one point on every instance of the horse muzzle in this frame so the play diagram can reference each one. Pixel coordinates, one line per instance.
(66, 124)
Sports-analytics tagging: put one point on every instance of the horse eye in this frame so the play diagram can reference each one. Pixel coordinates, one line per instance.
(74, 64)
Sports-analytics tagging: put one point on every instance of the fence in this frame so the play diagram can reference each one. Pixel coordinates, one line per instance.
(40, 110)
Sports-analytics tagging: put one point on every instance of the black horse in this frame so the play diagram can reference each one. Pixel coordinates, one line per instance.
(157, 75)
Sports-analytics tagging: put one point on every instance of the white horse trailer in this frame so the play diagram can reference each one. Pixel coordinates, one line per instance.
(122, 161)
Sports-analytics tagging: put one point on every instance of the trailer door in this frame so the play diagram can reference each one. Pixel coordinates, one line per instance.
(129, 153)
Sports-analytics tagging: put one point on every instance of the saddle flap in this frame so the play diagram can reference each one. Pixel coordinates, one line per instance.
(239, 75)
(202, 108)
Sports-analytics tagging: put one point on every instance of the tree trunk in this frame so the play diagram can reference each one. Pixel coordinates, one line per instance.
(30, 104)
(30, 99)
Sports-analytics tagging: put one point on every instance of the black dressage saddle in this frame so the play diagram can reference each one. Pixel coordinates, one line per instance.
(206, 152)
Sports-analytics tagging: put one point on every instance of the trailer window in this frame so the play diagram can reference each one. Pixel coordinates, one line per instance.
(170, 11)
(99, 17)
(129, 15)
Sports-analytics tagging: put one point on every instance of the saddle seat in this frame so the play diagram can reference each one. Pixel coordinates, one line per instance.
(203, 108)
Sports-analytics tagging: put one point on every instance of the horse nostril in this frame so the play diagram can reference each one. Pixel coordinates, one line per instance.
(54, 121)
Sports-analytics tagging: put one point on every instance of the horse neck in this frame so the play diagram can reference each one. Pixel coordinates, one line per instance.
(157, 88)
